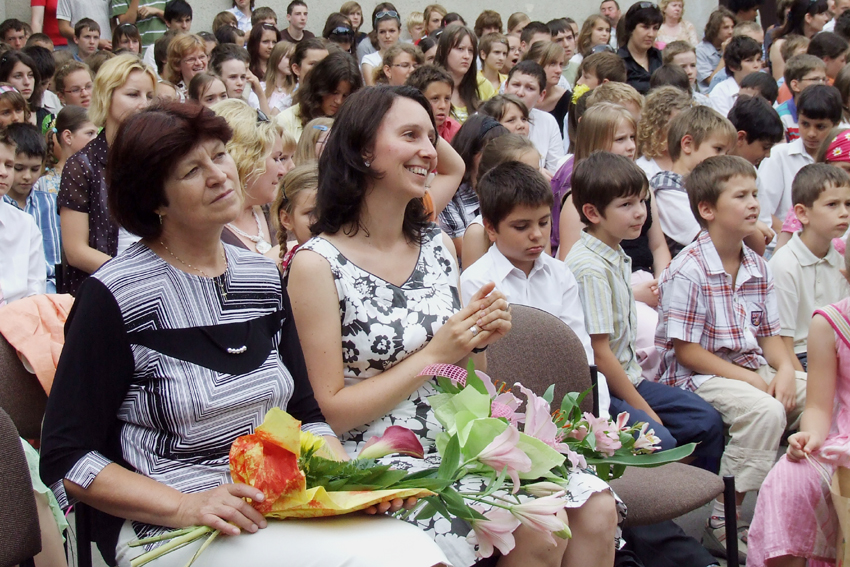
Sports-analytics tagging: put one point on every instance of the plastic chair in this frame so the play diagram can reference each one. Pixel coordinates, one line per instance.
(20, 536)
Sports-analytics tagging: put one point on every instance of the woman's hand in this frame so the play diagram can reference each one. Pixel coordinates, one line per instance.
(647, 292)
(255, 82)
(223, 508)
(392, 506)
(801, 444)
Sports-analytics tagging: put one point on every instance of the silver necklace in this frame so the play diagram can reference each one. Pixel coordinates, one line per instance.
(260, 243)
(216, 279)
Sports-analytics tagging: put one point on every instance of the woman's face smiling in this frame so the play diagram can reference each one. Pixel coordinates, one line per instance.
(192, 64)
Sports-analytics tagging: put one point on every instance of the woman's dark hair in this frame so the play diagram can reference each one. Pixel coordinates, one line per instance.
(125, 30)
(254, 46)
(640, 13)
(451, 18)
(335, 30)
(226, 34)
(795, 21)
(8, 61)
(468, 87)
(471, 139)
(146, 149)
(44, 64)
(426, 43)
(301, 49)
(715, 22)
(225, 52)
(322, 80)
(382, 7)
(343, 175)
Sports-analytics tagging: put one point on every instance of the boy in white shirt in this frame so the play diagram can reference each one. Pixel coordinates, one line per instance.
(516, 206)
(742, 57)
(527, 80)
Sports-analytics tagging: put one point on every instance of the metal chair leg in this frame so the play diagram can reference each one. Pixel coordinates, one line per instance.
(731, 521)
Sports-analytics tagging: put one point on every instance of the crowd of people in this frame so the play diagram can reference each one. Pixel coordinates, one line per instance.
(257, 216)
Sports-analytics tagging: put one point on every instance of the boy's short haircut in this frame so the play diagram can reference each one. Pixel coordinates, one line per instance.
(490, 39)
(509, 185)
(293, 4)
(675, 48)
(43, 59)
(28, 140)
(262, 14)
(827, 44)
(38, 38)
(700, 123)
(744, 5)
(739, 48)
(70, 67)
(605, 65)
(764, 84)
(487, 19)
(618, 93)
(86, 24)
(558, 25)
(820, 102)
(532, 69)
(224, 19)
(177, 10)
(793, 43)
(742, 28)
(424, 75)
(603, 177)
(12, 24)
(531, 29)
(707, 180)
(801, 65)
(670, 74)
(756, 117)
(842, 25)
(813, 179)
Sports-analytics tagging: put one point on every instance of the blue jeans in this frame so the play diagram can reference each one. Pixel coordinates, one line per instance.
(687, 419)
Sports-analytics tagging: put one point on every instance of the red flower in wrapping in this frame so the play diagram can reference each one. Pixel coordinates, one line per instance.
(260, 461)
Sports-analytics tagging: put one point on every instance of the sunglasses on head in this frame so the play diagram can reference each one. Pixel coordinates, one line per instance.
(261, 117)
(342, 30)
(386, 14)
(602, 49)
(644, 5)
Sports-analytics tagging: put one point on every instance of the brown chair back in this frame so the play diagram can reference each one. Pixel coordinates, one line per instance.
(538, 351)
(21, 394)
(20, 536)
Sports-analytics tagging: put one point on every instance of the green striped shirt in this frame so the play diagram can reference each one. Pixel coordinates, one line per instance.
(150, 29)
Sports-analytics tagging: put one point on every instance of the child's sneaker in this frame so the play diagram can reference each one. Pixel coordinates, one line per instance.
(714, 538)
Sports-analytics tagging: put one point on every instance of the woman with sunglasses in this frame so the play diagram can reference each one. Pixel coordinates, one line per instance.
(642, 22)
(339, 30)
(386, 29)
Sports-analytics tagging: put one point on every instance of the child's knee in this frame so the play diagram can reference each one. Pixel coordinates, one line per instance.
(597, 516)
(667, 439)
(769, 415)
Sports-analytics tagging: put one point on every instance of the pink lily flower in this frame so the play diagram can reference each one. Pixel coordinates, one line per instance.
(503, 452)
(505, 405)
(576, 460)
(578, 433)
(647, 440)
(607, 436)
(496, 531)
(538, 420)
(544, 488)
(396, 439)
(541, 514)
(622, 420)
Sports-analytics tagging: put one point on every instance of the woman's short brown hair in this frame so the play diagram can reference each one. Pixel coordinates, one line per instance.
(147, 148)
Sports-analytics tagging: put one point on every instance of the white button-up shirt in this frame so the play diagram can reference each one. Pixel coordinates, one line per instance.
(775, 176)
(22, 266)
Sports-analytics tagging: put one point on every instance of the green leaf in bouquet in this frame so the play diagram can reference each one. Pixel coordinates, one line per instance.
(470, 400)
(438, 400)
(473, 380)
(442, 441)
(437, 503)
(603, 471)
(446, 386)
(432, 484)
(451, 459)
(651, 460)
(549, 394)
(427, 511)
(496, 482)
(480, 433)
(457, 506)
(543, 457)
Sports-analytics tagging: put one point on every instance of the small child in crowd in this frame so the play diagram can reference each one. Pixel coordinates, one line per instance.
(292, 210)
(510, 111)
(610, 192)
(493, 52)
(87, 38)
(70, 133)
(758, 128)
(662, 104)
(13, 106)
(807, 269)
(437, 86)
(719, 331)
(742, 57)
(684, 55)
(801, 71)
(759, 84)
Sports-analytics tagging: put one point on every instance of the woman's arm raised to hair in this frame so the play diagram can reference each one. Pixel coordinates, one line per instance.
(75, 242)
(450, 170)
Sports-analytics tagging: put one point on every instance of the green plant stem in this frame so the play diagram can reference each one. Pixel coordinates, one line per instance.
(161, 537)
(203, 547)
(175, 543)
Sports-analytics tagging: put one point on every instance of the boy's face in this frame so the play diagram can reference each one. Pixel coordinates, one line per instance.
(714, 145)
(526, 88)
(688, 62)
(439, 94)
(10, 115)
(829, 215)
(87, 42)
(588, 79)
(180, 23)
(523, 234)
(749, 65)
(753, 152)
(622, 219)
(27, 172)
(497, 57)
(540, 36)
(513, 54)
(568, 40)
(7, 168)
(813, 77)
(812, 132)
(298, 17)
(15, 39)
(737, 209)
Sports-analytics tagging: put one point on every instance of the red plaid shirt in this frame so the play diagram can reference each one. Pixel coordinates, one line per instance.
(698, 304)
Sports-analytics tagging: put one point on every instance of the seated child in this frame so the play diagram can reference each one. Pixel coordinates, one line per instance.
(22, 267)
(13, 33)
(794, 45)
(609, 191)
(74, 83)
(819, 110)
(801, 71)
(87, 38)
(30, 152)
(510, 111)
(527, 80)
(759, 84)
(437, 86)
(662, 104)
(807, 270)
(795, 518)
(719, 328)
(600, 68)
(742, 57)
(684, 55)
(758, 128)
(695, 135)
(13, 106)
(292, 210)
(516, 207)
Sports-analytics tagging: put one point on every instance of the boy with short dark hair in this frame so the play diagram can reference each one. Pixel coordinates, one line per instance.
(719, 331)
(437, 86)
(807, 270)
(178, 17)
(296, 15)
(819, 110)
(41, 40)
(601, 68)
(527, 80)
(13, 33)
(760, 84)
(742, 57)
(801, 71)
(30, 150)
(759, 128)
(263, 15)
(532, 33)
(831, 48)
(563, 34)
(87, 38)
(694, 135)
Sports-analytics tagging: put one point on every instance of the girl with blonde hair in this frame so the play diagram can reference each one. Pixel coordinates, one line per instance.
(292, 210)
(279, 80)
(661, 106)
(312, 140)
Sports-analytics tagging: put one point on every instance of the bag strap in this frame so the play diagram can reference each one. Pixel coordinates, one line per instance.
(838, 321)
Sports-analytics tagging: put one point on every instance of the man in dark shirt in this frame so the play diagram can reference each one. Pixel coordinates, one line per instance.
(296, 15)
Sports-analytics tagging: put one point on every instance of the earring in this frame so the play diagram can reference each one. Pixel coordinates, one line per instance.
(367, 163)
(160, 219)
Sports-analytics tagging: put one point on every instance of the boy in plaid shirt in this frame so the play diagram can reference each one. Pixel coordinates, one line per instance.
(718, 331)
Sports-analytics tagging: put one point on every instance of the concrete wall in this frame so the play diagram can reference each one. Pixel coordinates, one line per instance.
(696, 11)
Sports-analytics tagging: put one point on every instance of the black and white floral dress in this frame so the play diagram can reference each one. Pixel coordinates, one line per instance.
(382, 324)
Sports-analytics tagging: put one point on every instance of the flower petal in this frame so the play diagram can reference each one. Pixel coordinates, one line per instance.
(396, 439)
